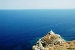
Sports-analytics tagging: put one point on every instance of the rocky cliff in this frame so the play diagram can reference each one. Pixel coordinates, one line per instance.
(53, 41)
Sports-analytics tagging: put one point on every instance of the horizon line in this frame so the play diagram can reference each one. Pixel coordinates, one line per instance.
(36, 9)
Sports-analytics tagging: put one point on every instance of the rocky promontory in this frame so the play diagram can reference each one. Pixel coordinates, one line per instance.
(53, 41)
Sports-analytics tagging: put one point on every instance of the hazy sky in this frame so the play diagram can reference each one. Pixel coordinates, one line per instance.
(37, 4)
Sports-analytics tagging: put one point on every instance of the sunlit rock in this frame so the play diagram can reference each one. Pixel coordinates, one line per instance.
(52, 41)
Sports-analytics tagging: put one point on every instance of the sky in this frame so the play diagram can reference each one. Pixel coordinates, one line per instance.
(37, 4)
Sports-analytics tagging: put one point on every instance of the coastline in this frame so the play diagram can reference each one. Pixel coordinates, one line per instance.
(53, 41)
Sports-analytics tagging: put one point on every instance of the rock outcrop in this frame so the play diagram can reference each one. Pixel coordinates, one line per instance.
(53, 41)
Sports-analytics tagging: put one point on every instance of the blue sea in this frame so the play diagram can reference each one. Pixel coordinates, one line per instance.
(20, 29)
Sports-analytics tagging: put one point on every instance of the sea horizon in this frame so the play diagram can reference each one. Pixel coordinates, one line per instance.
(20, 29)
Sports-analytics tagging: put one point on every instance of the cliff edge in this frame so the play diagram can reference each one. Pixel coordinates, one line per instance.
(53, 41)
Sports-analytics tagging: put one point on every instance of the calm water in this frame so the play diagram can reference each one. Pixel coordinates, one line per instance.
(20, 29)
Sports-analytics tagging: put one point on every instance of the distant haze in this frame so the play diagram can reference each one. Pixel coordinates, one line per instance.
(37, 4)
